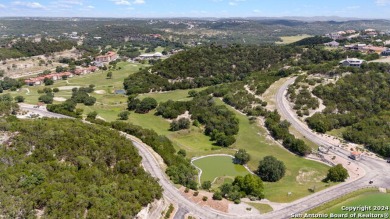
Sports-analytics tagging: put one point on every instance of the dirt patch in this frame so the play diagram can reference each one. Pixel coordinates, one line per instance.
(222, 205)
(59, 99)
(306, 176)
(68, 87)
(100, 92)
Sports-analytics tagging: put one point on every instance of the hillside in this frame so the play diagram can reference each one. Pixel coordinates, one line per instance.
(67, 169)
(205, 66)
(360, 102)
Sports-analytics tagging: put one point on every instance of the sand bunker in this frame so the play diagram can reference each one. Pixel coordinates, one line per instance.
(59, 99)
(100, 92)
(68, 87)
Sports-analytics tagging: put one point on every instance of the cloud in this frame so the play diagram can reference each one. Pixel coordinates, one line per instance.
(91, 6)
(2, 6)
(235, 2)
(382, 2)
(121, 2)
(256, 11)
(138, 2)
(33, 5)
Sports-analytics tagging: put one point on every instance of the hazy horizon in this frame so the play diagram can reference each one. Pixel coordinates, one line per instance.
(362, 9)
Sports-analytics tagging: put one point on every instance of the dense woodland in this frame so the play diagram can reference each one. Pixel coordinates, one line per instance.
(69, 169)
(219, 122)
(179, 168)
(360, 102)
(27, 48)
(205, 66)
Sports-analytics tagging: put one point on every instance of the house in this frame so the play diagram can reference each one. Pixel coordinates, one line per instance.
(355, 155)
(156, 55)
(352, 62)
(332, 44)
(109, 57)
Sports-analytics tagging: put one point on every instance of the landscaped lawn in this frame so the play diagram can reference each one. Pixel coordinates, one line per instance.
(370, 198)
(301, 174)
(218, 166)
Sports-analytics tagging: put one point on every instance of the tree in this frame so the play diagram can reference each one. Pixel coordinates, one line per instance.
(206, 185)
(251, 185)
(182, 152)
(217, 195)
(337, 174)
(56, 90)
(180, 124)
(241, 157)
(270, 169)
(19, 99)
(89, 101)
(92, 115)
(109, 74)
(124, 115)
(48, 81)
(146, 105)
(48, 99)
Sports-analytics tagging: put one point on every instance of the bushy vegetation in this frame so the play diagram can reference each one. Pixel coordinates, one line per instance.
(219, 122)
(247, 186)
(26, 48)
(205, 66)
(242, 157)
(180, 124)
(270, 169)
(337, 174)
(279, 130)
(67, 169)
(360, 102)
(7, 107)
(9, 83)
(179, 168)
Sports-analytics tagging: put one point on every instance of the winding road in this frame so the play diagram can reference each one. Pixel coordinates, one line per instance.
(376, 170)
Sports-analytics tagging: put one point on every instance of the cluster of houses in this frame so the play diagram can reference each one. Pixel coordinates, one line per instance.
(59, 76)
(109, 57)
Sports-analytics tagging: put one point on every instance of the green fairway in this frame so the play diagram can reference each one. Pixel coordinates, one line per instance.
(292, 39)
(104, 87)
(301, 174)
(217, 166)
(369, 199)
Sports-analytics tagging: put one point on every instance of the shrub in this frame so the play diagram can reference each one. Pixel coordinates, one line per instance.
(217, 196)
(196, 193)
(205, 198)
(270, 169)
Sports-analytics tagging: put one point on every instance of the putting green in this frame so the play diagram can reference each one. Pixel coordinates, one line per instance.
(218, 166)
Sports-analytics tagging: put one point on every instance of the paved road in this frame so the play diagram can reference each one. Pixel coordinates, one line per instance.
(41, 111)
(374, 169)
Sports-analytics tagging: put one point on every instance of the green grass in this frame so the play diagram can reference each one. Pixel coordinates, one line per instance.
(337, 132)
(301, 174)
(292, 39)
(177, 95)
(263, 208)
(98, 79)
(365, 197)
(218, 166)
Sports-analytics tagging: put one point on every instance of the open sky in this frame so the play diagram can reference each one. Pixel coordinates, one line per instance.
(196, 8)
